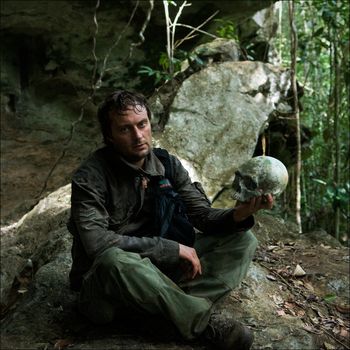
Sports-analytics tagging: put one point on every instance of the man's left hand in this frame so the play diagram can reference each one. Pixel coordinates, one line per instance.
(245, 209)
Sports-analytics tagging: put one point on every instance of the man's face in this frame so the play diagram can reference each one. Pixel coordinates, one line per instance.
(131, 135)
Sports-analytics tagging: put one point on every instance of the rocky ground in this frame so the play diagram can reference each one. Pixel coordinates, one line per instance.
(296, 294)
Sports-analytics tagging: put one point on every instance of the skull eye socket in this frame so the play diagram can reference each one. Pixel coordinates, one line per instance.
(250, 184)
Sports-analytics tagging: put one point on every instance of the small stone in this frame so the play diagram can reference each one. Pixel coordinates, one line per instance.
(299, 272)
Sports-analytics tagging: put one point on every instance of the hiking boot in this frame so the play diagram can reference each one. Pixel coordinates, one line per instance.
(228, 334)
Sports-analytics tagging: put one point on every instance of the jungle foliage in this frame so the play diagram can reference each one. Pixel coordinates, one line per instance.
(323, 72)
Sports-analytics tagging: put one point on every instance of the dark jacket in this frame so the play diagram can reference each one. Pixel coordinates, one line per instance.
(110, 207)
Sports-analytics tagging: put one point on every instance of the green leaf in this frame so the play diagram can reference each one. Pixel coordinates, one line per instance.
(164, 61)
(146, 70)
(318, 32)
(198, 60)
(320, 181)
(329, 298)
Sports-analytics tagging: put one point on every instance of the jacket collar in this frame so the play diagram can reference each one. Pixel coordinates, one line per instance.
(152, 165)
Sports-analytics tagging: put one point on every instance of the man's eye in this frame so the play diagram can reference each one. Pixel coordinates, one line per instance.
(143, 124)
(124, 130)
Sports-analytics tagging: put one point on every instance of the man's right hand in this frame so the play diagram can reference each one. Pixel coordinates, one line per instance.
(189, 255)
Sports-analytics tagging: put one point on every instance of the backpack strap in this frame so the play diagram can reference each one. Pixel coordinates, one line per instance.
(171, 221)
(163, 155)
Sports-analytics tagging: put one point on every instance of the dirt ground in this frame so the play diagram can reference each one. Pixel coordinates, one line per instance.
(314, 269)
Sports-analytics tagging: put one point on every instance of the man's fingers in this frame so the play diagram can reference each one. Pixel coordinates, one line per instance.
(257, 203)
(268, 202)
(196, 267)
(261, 202)
(252, 204)
(189, 254)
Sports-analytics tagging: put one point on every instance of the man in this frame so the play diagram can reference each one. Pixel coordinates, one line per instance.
(120, 257)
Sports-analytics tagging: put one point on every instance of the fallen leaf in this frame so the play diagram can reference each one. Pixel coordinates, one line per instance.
(309, 286)
(301, 313)
(311, 329)
(277, 299)
(309, 254)
(299, 272)
(289, 305)
(272, 247)
(314, 320)
(319, 314)
(291, 311)
(336, 330)
(344, 332)
(328, 346)
(271, 278)
(283, 272)
(308, 328)
(340, 322)
(281, 312)
(298, 283)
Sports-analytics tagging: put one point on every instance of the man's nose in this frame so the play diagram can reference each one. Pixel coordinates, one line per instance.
(137, 133)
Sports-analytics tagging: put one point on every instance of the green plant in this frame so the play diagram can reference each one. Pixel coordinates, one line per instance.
(226, 29)
(159, 76)
(163, 74)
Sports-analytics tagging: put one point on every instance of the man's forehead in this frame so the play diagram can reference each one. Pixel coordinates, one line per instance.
(138, 114)
(137, 109)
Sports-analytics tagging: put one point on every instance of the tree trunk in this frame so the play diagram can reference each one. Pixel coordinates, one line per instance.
(293, 52)
(336, 135)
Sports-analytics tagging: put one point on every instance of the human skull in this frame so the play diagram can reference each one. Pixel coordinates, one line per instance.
(259, 176)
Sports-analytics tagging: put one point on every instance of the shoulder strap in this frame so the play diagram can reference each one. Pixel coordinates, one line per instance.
(163, 155)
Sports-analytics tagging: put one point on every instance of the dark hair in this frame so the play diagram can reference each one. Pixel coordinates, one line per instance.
(119, 102)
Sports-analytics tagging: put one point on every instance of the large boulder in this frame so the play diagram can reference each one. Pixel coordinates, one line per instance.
(33, 241)
(217, 115)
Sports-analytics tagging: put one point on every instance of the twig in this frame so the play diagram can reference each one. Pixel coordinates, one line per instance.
(143, 28)
(141, 36)
(94, 45)
(103, 70)
(168, 24)
(196, 29)
(174, 24)
(293, 289)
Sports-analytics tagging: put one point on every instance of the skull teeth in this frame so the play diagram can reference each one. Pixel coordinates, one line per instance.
(236, 195)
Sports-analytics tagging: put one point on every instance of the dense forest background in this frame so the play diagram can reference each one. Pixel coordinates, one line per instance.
(323, 72)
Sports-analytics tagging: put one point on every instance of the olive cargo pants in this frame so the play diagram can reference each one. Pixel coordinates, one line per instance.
(120, 279)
